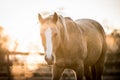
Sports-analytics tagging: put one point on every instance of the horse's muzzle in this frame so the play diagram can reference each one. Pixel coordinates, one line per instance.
(49, 61)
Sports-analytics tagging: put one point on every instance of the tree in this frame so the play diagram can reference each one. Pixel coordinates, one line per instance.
(3, 45)
(4, 54)
(3, 39)
(113, 42)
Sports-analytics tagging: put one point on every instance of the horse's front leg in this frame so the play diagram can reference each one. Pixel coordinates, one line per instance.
(57, 72)
(79, 69)
(87, 72)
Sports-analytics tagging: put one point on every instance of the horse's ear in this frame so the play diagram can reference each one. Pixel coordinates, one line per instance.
(55, 17)
(40, 18)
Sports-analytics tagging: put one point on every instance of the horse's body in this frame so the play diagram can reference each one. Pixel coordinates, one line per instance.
(79, 45)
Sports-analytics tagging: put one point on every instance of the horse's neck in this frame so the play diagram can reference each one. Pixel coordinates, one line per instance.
(69, 31)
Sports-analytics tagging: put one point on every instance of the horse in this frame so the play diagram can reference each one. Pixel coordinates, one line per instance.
(79, 45)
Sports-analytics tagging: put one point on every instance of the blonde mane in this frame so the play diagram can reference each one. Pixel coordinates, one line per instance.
(64, 26)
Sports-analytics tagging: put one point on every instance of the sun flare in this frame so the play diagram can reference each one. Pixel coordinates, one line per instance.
(24, 40)
(20, 20)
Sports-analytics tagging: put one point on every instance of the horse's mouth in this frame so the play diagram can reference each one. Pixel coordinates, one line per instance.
(49, 62)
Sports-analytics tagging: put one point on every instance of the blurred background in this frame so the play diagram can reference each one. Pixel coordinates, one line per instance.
(21, 51)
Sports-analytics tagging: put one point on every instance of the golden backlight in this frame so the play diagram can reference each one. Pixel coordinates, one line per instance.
(25, 39)
(19, 18)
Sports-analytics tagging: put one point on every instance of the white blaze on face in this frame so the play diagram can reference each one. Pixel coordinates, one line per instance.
(48, 36)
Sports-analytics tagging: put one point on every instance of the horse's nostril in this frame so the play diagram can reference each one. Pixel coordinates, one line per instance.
(49, 60)
(52, 57)
(45, 57)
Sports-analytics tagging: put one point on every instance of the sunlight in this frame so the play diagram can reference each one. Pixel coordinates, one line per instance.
(20, 21)
(19, 18)
(27, 40)
(33, 60)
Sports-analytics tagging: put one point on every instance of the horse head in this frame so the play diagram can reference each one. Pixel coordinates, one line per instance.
(50, 36)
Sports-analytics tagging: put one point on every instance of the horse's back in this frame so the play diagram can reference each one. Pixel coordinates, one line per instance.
(95, 38)
(90, 24)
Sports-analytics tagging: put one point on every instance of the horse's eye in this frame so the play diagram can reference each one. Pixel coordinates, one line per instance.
(55, 34)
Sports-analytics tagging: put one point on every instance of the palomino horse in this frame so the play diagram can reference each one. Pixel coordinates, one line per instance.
(79, 45)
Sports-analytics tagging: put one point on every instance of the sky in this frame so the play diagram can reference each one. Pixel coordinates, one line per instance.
(19, 17)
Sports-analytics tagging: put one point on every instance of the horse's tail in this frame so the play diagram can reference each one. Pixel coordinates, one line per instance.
(100, 28)
(101, 61)
(99, 66)
(104, 44)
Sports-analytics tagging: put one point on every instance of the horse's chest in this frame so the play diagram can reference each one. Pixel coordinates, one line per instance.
(67, 62)
(70, 63)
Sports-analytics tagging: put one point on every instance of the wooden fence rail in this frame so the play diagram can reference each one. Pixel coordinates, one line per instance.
(20, 72)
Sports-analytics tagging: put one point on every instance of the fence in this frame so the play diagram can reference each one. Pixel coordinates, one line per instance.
(20, 71)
